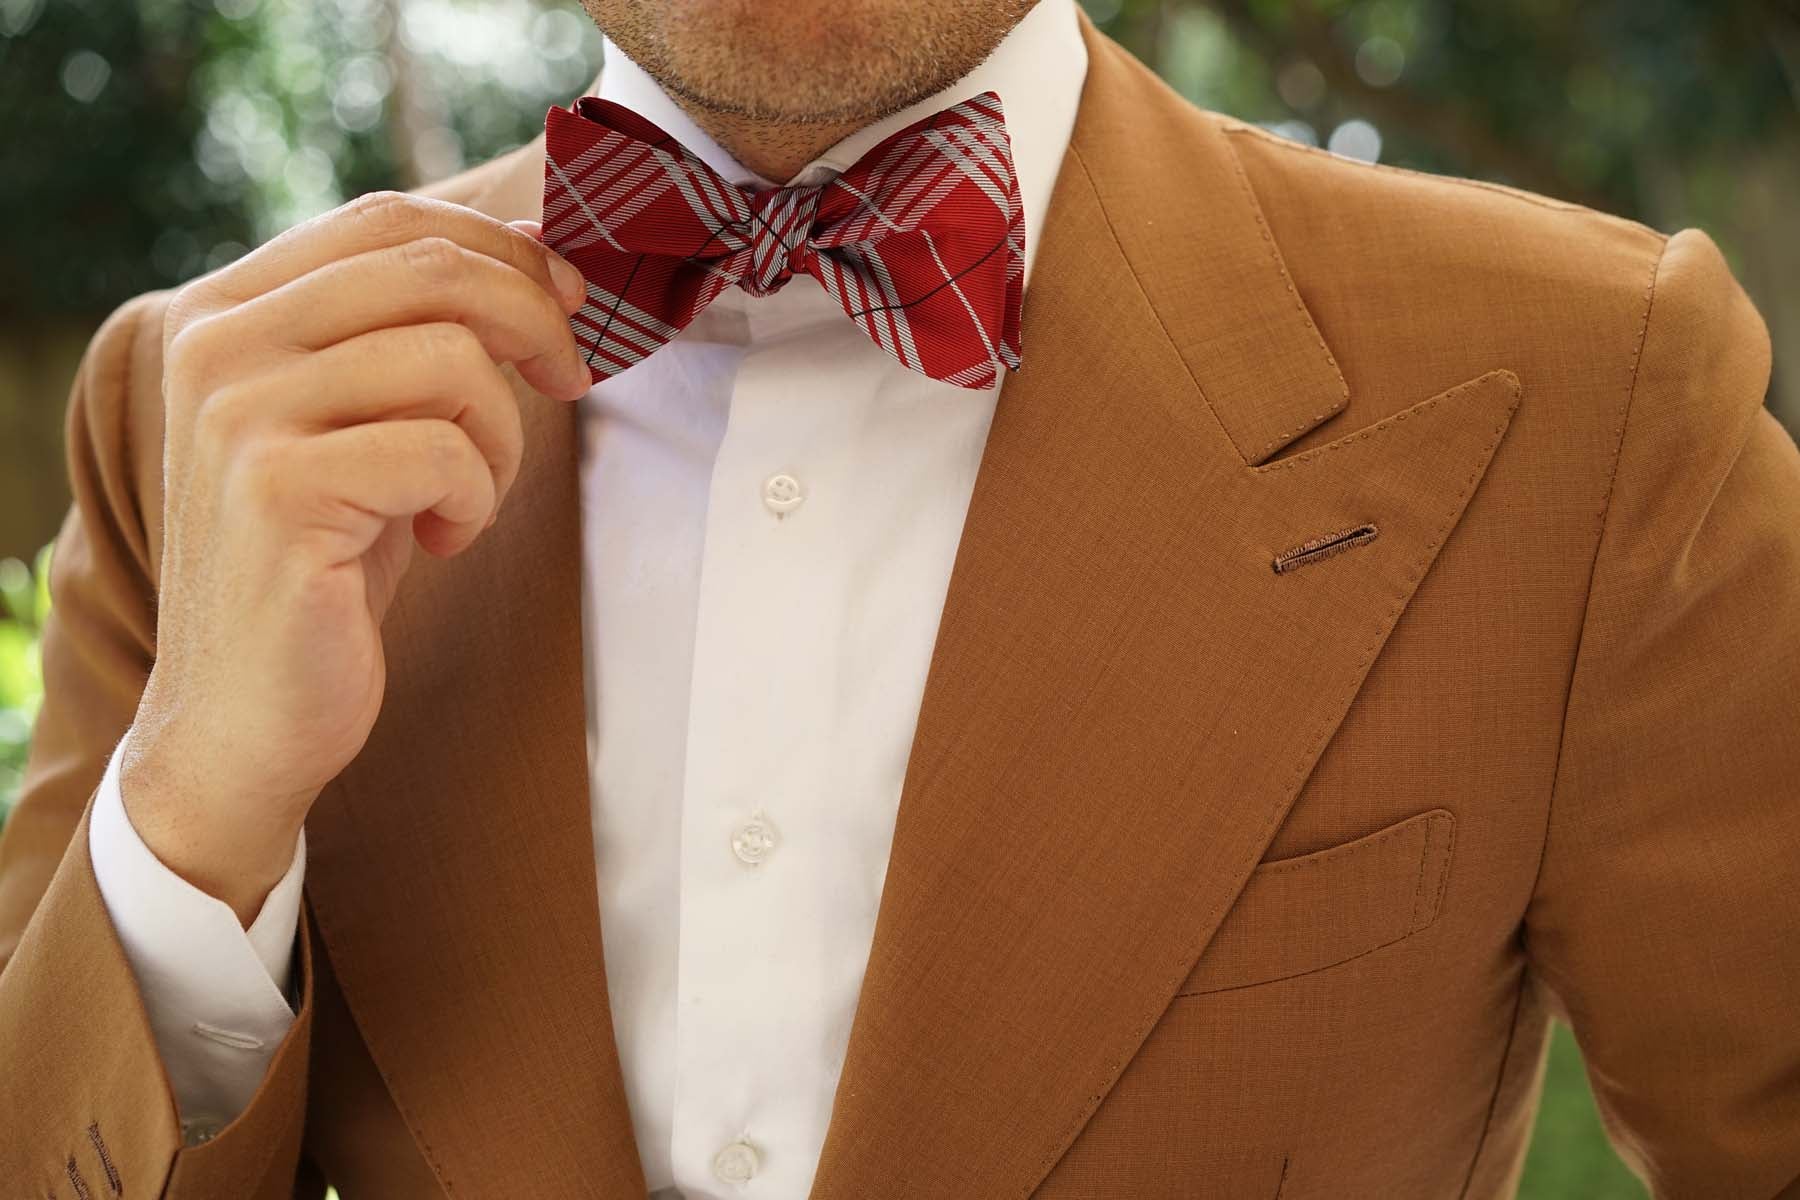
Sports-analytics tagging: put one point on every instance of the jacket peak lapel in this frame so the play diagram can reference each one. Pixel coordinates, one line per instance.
(1125, 696)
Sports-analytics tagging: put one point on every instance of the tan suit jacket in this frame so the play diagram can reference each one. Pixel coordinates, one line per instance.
(1210, 878)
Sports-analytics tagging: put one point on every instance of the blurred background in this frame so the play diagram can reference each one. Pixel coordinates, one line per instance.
(147, 142)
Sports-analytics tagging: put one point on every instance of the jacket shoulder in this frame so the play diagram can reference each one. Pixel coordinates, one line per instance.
(1352, 190)
(1420, 281)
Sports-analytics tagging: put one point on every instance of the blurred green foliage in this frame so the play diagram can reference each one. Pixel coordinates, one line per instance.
(1570, 1158)
(149, 142)
(98, 163)
(24, 603)
(1605, 102)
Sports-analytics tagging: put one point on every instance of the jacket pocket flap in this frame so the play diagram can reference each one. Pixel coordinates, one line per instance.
(1303, 914)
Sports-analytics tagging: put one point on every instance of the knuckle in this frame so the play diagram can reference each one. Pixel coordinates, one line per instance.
(384, 214)
(457, 463)
(260, 469)
(448, 446)
(436, 259)
(524, 253)
(463, 462)
(186, 336)
(447, 347)
(192, 352)
(186, 306)
(222, 415)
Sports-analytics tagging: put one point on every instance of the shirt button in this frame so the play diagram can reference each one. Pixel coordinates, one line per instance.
(754, 840)
(736, 1163)
(782, 493)
(197, 1131)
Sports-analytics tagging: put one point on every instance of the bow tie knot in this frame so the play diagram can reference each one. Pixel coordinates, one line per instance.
(780, 228)
(921, 241)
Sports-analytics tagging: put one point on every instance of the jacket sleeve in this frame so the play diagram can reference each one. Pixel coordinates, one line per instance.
(1666, 920)
(85, 1103)
(216, 992)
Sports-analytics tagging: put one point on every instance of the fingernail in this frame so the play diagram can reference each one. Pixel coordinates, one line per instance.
(568, 281)
(586, 380)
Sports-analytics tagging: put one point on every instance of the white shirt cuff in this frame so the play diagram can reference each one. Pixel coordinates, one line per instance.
(216, 993)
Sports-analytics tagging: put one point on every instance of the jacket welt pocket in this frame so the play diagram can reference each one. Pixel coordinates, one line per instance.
(1304, 914)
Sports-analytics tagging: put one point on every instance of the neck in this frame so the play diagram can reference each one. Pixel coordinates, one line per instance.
(774, 150)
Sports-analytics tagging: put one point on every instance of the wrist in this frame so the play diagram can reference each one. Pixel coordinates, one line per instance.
(234, 866)
(234, 848)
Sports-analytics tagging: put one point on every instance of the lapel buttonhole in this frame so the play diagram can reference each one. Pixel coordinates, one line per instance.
(1323, 546)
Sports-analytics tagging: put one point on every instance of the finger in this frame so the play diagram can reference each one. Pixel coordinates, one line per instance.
(352, 481)
(414, 284)
(410, 371)
(383, 219)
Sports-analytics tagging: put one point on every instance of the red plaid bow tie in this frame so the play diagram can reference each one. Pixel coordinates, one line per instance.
(921, 241)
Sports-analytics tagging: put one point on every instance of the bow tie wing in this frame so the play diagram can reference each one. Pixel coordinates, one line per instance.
(651, 228)
(922, 241)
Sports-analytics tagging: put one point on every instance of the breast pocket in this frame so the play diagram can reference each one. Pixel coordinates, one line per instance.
(1298, 915)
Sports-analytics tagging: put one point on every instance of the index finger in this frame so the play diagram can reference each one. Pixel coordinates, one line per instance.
(380, 220)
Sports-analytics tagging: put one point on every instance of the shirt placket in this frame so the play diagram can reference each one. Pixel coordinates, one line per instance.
(749, 1095)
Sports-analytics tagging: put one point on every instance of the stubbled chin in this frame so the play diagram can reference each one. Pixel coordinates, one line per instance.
(809, 61)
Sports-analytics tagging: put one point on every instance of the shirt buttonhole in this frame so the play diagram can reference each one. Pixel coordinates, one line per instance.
(227, 1037)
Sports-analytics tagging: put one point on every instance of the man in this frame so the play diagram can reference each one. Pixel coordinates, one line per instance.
(1198, 762)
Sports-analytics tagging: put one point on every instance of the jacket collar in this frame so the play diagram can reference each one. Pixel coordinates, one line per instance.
(1117, 716)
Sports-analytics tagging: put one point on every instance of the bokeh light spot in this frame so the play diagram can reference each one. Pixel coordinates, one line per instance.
(1300, 84)
(1294, 131)
(84, 75)
(1380, 61)
(1356, 139)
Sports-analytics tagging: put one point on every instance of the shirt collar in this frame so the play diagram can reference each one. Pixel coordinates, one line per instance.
(1037, 69)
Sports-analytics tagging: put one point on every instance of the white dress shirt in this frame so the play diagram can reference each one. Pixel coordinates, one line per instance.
(771, 509)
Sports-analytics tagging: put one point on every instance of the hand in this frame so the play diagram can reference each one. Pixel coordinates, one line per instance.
(329, 399)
